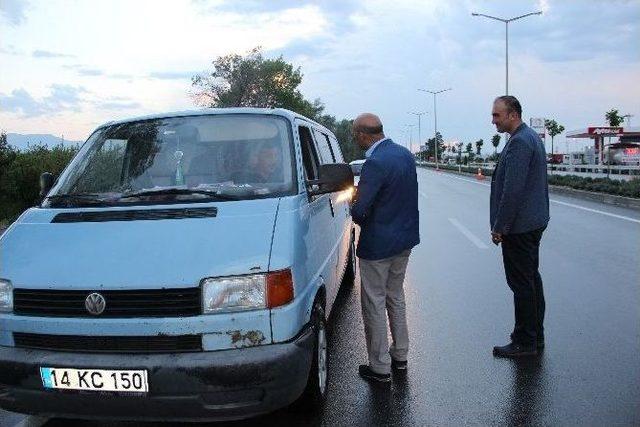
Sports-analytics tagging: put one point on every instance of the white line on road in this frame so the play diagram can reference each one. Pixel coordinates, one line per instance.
(468, 234)
(571, 205)
(626, 218)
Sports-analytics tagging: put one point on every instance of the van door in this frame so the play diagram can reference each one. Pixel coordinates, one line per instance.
(344, 223)
(327, 156)
(318, 217)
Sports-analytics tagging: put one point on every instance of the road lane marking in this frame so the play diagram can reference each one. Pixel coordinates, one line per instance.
(571, 205)
(468, 234)
(626, 218)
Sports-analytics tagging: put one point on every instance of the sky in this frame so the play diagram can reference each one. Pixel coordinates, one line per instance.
(67, 66)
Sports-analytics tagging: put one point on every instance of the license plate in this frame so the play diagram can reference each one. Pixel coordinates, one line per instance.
(95, 379)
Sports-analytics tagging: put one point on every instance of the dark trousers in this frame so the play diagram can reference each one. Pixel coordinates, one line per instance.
(520, 253)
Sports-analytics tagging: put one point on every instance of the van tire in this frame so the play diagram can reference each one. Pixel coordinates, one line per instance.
(315, 393)
(349, 277)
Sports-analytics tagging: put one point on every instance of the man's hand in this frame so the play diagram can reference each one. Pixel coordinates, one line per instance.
(496, 238)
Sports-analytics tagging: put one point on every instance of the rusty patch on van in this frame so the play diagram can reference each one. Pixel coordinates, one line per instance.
(249, 339)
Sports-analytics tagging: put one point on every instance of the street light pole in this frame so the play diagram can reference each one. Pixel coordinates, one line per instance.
(419, 114)
(506, 38)
(410, 137)
(435, 121)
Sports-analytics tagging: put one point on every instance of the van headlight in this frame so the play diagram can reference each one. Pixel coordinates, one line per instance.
(6, 296)
(255, 291)
(233, 293)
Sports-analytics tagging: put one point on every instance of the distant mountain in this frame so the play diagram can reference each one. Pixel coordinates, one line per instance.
(23, 142)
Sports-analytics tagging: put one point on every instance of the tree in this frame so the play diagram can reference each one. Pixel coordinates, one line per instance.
(614, 118)
(479, 144)
(253, 81)
(469, 150)
(495, 141)
(554, 129)
(430, 147)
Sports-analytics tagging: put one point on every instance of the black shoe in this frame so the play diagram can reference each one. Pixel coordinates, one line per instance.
(398, 365)
(366, 373)
(515, 350)
(539, 342)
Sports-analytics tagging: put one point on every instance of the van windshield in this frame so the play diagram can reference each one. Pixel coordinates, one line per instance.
(223, 157)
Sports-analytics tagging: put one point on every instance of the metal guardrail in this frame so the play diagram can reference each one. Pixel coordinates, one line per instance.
(603, 169)
(577, 169)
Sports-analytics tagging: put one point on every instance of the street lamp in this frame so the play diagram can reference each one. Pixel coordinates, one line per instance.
(435, 121)
(419, 114)
(628, 117)
(410, 137)
(506, 37)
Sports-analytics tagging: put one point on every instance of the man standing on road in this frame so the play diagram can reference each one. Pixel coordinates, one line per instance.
(386, 208)
(519, 215)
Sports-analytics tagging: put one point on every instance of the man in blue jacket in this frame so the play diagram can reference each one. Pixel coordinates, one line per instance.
(519, 215)
(386, 208)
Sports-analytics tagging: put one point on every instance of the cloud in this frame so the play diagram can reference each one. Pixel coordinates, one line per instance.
(10, 50)
(14, 11)
(337, 12)
(84, 70)
(62, 98)
(47, 54)
(173, 75)
(115, 105)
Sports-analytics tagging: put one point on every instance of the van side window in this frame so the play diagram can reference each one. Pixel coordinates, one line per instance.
(336, 149)
(309, 155)
(324, 147)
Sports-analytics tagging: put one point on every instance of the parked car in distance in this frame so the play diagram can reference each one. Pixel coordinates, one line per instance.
(182, 267)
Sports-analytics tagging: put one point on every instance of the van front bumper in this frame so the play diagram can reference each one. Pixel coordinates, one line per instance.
(205, 386)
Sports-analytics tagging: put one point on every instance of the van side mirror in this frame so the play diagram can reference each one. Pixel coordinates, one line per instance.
(46, 183)
(333, 177)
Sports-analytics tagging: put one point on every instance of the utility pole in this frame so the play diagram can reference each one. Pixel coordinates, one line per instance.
(410, 137)
(435, 121)
(419, 114)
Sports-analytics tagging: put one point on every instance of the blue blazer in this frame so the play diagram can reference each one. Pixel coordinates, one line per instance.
(519, 190)
(386, 206)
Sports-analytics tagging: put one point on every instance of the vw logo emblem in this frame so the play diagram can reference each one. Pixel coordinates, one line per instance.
(95, 304)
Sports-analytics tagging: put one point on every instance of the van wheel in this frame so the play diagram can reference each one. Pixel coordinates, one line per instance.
(315, 393)
(349, 277)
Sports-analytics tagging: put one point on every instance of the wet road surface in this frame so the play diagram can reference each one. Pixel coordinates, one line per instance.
(459, 307)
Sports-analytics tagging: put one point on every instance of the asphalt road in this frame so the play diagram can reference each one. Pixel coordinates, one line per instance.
(459, 307)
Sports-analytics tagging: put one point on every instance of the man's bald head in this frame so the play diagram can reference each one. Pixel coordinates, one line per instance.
(368, 123)
(367, 129)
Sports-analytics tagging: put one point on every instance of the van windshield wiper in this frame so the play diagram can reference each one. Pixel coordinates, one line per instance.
(84, 198)
(179, 191)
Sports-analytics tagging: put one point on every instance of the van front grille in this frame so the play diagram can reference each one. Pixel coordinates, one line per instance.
(118, 303)
(109, 344)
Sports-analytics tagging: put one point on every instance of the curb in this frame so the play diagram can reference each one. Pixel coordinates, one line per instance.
(609, 199)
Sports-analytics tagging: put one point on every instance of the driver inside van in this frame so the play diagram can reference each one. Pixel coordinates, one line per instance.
(268, 167)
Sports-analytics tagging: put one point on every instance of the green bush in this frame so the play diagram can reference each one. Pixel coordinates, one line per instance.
(600, 185)
(20, 177)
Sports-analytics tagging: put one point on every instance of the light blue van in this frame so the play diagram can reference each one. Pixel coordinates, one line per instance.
(182, 267)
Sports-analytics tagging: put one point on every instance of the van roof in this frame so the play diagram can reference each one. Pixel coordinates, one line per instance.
(215, 111)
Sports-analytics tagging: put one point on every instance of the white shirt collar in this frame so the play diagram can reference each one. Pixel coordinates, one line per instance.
(369, 152)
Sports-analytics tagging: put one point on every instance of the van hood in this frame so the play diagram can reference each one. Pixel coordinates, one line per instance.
(179, 247)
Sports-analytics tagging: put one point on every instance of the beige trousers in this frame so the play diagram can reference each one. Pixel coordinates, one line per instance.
(382, 290)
